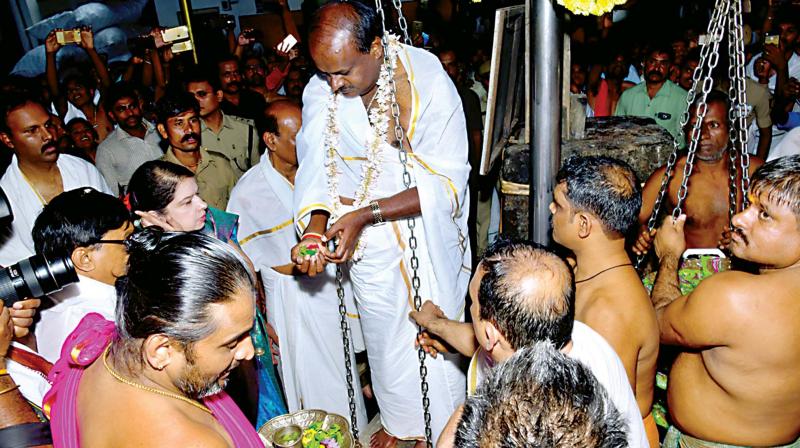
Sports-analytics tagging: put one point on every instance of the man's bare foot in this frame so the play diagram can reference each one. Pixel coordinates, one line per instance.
(382, 439)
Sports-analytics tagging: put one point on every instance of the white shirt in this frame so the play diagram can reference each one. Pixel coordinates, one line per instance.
(793, 66)
(120, 154)
(32, 384)
(74, 112)
(16, 242)
(788, 146)
(591, 350)
(73, 303)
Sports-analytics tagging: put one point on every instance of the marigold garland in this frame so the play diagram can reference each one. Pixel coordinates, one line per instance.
(590, 7)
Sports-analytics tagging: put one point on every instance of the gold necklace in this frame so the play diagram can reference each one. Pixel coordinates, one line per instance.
(164, 393)
(33, 187)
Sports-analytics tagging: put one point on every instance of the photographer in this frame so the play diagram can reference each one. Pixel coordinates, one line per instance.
(89, 227)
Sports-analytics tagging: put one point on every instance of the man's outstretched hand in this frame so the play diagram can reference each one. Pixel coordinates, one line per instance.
(309, 255)
(346, 230)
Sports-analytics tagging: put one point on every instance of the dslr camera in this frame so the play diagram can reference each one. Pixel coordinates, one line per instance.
(35, 276)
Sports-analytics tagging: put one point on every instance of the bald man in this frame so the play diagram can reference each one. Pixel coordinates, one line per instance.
(351, 187)
(303, 310)
(523, 294)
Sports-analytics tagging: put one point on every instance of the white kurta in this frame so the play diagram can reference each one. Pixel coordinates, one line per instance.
(303, 310)
(16, 242)
(73, 303)
(382, 278)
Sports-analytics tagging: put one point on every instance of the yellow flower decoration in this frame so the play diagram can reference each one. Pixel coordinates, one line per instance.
(590, 7)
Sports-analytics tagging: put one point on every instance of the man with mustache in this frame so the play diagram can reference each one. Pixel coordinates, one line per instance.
(736, 382)
(179, 124)
(657, 97)
(134, 141)
(350, 187)
(37, 172)
(238, 100)
(706, 204)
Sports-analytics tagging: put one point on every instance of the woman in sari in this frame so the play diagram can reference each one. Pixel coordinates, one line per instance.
(165, 194)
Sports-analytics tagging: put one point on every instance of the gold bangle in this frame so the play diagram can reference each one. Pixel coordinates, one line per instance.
(9, 389)
(3, 372)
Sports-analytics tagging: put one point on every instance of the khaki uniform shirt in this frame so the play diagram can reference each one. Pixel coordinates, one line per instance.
(214, 176)
(237, 139)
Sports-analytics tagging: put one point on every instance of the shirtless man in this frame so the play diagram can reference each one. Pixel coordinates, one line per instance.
(737, 381)
(595, 203)
(155, 377)
(522, 294)
(706, 204)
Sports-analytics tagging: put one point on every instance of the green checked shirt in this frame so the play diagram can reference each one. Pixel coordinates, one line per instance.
(667, 107)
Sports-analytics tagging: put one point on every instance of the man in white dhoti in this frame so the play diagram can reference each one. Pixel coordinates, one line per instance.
(303, 310)
(351, 179)
(37, 173)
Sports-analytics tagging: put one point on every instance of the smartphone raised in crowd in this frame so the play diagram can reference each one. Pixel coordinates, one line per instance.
(772, 39)
(287, 44)
(173, 34)
(180, 47)
(68, 36)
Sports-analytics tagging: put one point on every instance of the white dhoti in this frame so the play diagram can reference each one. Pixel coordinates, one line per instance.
(381, 277)
(303, 310)
(384, 295)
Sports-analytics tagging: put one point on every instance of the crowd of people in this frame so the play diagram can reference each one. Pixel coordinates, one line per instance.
(228, 220)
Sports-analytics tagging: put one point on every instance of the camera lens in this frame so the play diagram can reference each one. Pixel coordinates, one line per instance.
(35, 277)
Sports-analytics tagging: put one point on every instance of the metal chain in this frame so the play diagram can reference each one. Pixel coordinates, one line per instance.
(411, 222)
(677, 142)
(733, 113)
(348, 364)
(702, 107)
(737, 36)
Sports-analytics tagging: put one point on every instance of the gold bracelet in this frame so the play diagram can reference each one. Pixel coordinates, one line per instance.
(3, 372)
(9, 389)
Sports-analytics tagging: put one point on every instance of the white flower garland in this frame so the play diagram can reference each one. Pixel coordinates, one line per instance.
(379, 123)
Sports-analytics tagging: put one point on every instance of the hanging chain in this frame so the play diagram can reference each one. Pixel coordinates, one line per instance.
(737, 36)
(733, 117)
(348, 364)
(715, 29)
(411, 222)
(702, 107)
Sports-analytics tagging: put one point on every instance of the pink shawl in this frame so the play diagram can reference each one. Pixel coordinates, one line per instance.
(80, 350)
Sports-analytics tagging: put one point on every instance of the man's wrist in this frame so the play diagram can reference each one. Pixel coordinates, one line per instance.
(365, 216)
(669, 257)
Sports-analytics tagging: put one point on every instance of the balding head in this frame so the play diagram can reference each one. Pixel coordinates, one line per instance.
(345, 44)
(527, 293)
(358, 21)
(282, 123)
